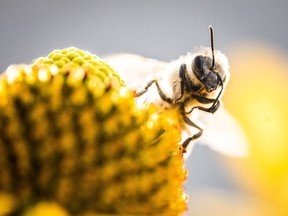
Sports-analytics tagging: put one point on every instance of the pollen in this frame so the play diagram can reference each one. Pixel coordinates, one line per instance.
(72, 141)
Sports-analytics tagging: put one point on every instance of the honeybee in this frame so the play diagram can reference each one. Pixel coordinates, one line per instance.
(194, 83)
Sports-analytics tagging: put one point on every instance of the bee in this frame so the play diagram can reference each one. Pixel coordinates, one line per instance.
(194, 83)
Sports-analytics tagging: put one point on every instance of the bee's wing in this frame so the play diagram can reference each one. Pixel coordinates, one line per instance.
(223, 133)
(135, 70)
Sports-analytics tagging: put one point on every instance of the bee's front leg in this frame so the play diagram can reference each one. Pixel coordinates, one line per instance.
(213, 108)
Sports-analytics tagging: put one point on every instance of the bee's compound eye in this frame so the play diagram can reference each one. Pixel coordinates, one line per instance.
(198, 63)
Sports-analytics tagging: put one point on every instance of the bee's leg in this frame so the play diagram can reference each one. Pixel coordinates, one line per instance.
(213, 108)
(215, 102)
(162, 95)
(182, 75)
(195, 136)
(137, 94)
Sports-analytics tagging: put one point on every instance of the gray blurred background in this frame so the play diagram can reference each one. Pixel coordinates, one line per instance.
(157, 28)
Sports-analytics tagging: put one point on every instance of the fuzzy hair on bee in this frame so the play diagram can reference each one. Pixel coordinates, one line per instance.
(194, 83)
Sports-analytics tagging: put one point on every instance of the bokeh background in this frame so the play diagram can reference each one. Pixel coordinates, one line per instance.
(253, 34)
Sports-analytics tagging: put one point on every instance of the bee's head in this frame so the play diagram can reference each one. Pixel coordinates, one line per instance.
(211, 69)
(210, 77)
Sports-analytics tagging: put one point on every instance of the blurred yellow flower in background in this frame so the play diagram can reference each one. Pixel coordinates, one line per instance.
(257, 96)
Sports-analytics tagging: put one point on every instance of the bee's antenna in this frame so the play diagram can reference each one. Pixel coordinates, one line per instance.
(212, 45)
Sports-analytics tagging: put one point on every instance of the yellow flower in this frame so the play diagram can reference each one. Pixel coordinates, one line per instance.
(46, 209)
(71, 134)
